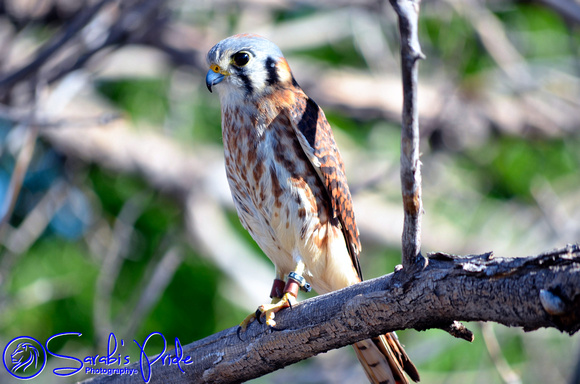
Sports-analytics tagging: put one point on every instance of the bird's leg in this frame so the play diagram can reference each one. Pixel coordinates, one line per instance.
(283, 295)
(275, 294)
(277, 290)
(290, 294)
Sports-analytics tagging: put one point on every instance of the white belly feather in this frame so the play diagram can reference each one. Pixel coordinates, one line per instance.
(281, 214)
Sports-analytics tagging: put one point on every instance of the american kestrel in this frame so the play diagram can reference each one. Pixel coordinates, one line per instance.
(289, 187)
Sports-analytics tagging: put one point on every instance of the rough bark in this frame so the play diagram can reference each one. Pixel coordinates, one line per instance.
(530, 292)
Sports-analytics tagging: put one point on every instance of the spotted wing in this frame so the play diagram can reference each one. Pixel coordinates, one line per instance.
(317, 141)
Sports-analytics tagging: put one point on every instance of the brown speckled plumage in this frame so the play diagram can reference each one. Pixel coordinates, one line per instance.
(311, 122)
(288, 180)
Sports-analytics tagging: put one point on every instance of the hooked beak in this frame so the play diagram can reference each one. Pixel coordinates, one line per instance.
(212, 78)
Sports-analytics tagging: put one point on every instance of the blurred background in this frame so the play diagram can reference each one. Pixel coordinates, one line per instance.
(115, 215)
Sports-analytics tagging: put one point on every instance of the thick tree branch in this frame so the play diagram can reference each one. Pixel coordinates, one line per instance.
(408, 13)
(470, 288)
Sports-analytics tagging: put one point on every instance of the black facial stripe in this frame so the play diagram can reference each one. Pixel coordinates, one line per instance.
(247, 83)
(294, 82)
(273, 77)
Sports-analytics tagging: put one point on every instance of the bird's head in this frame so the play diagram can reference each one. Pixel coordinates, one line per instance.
(245, 67)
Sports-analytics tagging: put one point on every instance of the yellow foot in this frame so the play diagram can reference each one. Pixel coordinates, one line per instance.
(253, 316)
(269, 310)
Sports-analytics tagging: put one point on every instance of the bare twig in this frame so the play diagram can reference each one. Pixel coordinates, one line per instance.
(136, 20)
(52, 46)
(408, 13)
(20, 239)
(23, 117)
(447, 289)
(20, 169)
(16, 241)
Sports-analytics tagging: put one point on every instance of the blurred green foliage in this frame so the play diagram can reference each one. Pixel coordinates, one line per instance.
(46, 283)
(456, 45)
(507, 167)
(540, 32)
(142, 99)
(340, 54)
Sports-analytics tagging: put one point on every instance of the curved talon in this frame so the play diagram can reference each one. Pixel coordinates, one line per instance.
(269, 310)
(246, 322)
(258, 315)
(239, 332)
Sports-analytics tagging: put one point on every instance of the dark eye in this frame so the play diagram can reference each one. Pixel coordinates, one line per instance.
(241, 58)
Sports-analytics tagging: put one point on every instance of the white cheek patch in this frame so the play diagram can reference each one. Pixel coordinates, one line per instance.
(258, 76)
(285, 76)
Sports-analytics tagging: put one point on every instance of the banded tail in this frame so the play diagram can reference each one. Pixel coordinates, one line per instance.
(384, 360)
